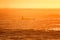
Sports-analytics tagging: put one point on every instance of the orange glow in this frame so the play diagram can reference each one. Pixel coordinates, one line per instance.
(32, 18)
(29, 3)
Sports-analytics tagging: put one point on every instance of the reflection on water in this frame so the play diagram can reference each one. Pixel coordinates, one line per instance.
(8, 34)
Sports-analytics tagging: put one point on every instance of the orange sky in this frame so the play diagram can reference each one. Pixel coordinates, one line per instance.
(29, 3)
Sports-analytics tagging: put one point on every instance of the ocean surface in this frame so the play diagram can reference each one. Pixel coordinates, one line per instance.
(29, 24)
(19, 34)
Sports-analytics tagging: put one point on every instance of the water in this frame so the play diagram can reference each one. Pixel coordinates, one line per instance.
(8, 34)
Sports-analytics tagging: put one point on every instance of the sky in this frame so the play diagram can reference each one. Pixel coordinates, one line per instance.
(29, 3)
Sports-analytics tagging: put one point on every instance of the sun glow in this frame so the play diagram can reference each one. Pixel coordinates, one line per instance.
(29, 3)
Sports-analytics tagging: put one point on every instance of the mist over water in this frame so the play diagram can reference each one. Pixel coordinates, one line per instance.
(29, 18)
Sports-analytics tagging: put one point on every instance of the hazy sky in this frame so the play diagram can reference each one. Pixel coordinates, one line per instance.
(29, 3)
